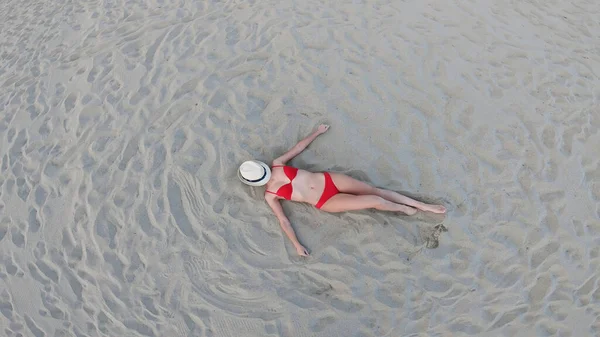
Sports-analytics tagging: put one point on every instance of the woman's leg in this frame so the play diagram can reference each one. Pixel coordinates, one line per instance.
(350, 185)
(397, 197)
(349, 202)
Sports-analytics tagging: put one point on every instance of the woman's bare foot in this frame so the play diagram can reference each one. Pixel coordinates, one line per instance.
(439, 209)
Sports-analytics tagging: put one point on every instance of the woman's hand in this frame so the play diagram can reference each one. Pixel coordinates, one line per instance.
(301, 250)
(298, 148)
(323, 128)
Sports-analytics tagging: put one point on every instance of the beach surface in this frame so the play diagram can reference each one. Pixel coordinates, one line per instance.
(122, 125)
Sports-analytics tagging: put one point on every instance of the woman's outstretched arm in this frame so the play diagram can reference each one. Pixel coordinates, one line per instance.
(298, 148)
(285, 224)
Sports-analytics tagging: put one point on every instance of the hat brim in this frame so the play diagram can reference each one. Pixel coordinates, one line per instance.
(261, 182)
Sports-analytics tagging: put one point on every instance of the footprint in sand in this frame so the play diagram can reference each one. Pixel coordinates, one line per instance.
(432, 236)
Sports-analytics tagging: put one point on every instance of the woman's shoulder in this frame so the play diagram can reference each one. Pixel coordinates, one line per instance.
(278, 163)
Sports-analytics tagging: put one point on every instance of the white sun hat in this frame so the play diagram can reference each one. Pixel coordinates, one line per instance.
(254, 173)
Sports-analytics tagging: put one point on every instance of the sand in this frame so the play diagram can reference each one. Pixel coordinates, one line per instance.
(123, 122)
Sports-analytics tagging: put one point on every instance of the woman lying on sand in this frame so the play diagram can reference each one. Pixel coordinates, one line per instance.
(330, 192)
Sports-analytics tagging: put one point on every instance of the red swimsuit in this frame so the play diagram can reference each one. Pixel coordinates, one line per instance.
(285, 191)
